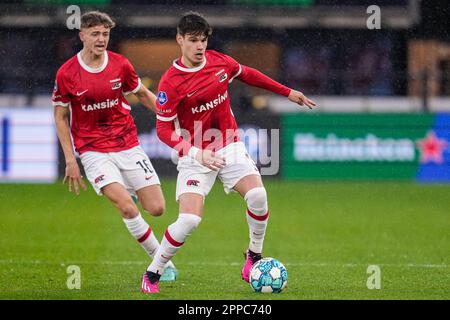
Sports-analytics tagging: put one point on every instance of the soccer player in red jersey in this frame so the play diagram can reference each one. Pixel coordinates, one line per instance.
(194, 117)
(90, 89)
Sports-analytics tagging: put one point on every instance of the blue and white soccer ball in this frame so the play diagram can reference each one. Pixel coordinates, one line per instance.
(268, 275)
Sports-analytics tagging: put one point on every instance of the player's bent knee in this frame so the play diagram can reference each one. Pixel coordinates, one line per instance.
(127, 208)
(183, 226)
(190, 220)
(256, 199)
(155, 209)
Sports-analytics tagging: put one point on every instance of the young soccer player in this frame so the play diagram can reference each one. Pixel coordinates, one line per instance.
(194, 117)
(91, 88)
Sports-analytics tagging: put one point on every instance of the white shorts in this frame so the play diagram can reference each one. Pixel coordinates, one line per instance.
(131, 168)
(196, 178)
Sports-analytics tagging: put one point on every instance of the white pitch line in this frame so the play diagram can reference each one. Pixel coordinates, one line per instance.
(211, 263)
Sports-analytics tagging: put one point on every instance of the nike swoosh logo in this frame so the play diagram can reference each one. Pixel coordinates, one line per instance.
(80, 93)
(148, 178)
(192, 93)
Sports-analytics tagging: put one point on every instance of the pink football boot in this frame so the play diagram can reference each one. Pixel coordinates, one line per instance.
(250, 259)
(150, 282)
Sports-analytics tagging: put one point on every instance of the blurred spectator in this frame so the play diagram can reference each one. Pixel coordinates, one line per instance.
(308, 68)
(368, 69)
(329, 68)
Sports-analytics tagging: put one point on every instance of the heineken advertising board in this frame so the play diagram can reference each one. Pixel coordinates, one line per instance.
(366, 146)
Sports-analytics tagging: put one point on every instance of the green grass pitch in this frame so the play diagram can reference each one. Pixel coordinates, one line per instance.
(326, 233)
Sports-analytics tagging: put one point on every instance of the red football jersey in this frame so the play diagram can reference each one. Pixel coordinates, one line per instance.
(187, 95)
(100, 115)
(197, 101)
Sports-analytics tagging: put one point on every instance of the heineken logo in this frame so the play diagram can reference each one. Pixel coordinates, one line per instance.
(308, 147)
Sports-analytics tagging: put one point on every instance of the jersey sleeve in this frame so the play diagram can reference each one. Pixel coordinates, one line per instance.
(258, 79)
(167, 102)
(131, 81)
(61, 93)
(254, 77)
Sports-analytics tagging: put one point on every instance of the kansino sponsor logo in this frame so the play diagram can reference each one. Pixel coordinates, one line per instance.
(308, 147)
(211, 104)
(101, 105)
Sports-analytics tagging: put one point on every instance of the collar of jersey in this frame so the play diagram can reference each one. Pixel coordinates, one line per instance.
(176, 65)
(93, 70)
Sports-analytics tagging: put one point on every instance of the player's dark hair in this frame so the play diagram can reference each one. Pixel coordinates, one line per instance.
(195, 24)
(96, 18)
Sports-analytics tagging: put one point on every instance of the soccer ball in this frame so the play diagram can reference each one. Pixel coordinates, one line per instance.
(268, 275)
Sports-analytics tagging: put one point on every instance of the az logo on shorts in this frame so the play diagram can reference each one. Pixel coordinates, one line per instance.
(193, 183)
(99, 178)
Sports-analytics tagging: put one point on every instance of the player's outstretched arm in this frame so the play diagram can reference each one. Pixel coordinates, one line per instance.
(299, 98)
(72, 174)
(256, 78)
(147, 98)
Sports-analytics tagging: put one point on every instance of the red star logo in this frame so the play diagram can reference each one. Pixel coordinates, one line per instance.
(431, 148)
